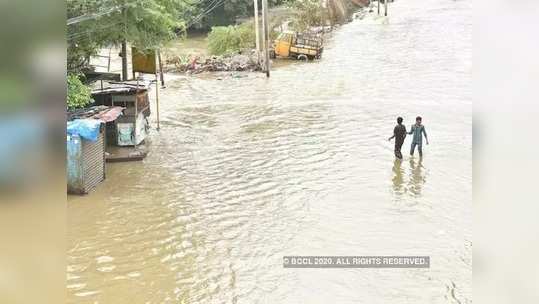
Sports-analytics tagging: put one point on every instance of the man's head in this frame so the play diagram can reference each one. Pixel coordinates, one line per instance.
(399, 120)
(418, 120)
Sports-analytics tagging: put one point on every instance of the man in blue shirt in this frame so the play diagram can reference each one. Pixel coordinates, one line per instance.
(418, 130)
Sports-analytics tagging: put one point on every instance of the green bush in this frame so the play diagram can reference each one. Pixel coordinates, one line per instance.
(307, 13)
(78, 94)
(231, 39)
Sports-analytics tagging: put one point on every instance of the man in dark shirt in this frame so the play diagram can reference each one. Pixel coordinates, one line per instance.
(399, 133)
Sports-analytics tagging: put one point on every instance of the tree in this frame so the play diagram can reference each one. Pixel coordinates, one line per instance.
(307, 13)
(225, 12)
(78, 95)
(145, 24)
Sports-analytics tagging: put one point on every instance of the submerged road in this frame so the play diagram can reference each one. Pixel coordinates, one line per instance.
(246, 170)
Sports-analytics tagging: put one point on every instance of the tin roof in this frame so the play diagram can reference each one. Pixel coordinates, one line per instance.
(102, 113)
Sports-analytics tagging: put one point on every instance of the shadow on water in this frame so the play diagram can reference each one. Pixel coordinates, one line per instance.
(398, 177)
(417, 176)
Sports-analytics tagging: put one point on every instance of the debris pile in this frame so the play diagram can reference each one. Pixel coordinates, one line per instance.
(196, 64)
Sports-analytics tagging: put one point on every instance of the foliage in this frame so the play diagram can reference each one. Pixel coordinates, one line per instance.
(230, 39)
(277, 23)
(340, 10)
(307, 13)
(149, 24)
(78, 94)
(227, 12)
(145, 24)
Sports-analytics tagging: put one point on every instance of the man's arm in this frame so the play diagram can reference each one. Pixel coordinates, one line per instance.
(411, 130)
(394, 133)
(425, 133)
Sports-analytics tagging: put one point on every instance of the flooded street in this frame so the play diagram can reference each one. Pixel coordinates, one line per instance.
(246, 170)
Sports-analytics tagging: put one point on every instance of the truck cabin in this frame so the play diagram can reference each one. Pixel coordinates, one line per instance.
(283, 43)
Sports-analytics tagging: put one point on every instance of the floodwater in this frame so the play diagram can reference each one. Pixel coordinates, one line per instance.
(246, 170)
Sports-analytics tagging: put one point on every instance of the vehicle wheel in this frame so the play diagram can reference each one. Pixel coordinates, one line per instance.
(302, 57)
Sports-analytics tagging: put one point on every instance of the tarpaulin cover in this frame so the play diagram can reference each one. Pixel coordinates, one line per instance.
(85, 128)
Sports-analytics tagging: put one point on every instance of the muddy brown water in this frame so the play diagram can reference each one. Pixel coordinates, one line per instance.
(246, 170)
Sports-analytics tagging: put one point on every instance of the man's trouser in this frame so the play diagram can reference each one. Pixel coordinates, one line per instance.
(398, 146)
(419, 148)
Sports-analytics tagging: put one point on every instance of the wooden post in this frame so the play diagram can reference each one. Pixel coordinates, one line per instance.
(135, 123)
(263, 46)
(257, 30)
(124, 46)
(124, 60)
(385, 6)
(161, 75)
(157, 97)
(265, 30)
(108, 65)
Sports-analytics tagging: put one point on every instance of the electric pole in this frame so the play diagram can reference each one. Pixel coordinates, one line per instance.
(265, 34)
(124, 47)
(161, 75)
(378, 7)
(124, 60)
(385, 7)
(257, 24)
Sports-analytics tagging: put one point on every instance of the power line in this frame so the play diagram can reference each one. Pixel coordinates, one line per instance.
(212, 2)
(95, 16)
(80, 34)
(208, 9)
(85, 17)
(205, 13)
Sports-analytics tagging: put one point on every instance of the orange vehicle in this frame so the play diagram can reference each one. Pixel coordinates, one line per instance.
(301, 46)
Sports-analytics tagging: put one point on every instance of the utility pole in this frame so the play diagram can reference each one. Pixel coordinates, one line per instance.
(257, 24)
(124, 60)
(385, 6)
(378, 7)
(157, 97)
(265, 33)
(124, 47)
(161, 75)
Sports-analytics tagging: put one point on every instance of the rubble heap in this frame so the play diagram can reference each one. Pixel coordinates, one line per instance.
(196, 64)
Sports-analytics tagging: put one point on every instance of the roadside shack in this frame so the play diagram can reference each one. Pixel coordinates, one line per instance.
(131, 129)
(115, 128)
(86, 144)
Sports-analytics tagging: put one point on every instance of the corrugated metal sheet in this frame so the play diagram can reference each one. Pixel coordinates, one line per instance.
(85, 163)
(93, 155)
